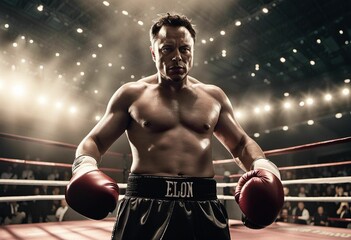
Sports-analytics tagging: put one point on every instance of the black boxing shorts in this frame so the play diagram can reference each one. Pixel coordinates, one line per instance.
(170, 208)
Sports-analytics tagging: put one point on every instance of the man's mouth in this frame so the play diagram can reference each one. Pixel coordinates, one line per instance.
(175, 67)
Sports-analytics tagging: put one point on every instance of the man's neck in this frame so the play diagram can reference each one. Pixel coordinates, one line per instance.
(171, 84)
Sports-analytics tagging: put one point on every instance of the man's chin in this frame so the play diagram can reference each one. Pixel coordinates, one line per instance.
(175, 77)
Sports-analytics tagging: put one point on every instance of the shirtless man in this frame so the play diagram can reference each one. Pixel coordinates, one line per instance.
(169, 119)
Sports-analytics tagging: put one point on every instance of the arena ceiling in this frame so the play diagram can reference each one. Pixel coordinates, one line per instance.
(256, 50)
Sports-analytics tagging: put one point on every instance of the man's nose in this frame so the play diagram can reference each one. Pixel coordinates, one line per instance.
(177, 56)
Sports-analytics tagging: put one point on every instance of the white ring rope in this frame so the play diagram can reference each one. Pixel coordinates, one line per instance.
(221, 197)
(42, 182)
(330, 180)
(298, 199)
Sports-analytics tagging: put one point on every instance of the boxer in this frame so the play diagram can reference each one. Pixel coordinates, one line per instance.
(170, 118)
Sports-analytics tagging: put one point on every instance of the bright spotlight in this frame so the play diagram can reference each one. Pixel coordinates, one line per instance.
(42, 100)
(287, 105)
(345, 91)
(285, 128)
(238, 115)
(97, 118)
(40, 8)
(328, 97)
(265, 10)
(309, 101)
(256, 135)
(72, 109)
(310, 122)
(338, 115)
(58, 105)
(267, 108)
(18, 90)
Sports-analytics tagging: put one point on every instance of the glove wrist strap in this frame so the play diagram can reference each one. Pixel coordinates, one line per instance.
(265, 164)
(84, 164)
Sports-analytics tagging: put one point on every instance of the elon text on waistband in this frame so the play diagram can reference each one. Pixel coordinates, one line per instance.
(179, 189)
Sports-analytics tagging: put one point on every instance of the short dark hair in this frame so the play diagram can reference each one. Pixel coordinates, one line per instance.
(174, 20)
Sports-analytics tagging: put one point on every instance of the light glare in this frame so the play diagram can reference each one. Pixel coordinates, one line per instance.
(338, 115)
(328, 97)
(345, 91)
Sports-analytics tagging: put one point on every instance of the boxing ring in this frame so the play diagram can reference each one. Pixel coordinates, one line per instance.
(92, 229)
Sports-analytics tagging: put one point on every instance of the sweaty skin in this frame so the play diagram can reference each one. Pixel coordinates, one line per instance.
(170, 117)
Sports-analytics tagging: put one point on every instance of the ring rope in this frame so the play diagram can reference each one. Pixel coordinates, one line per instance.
(267, 153)
(318, 165)
(52, 164)
(298, 199)
(50, 142)
(287, 150)
(66, 165)
(221, 197)
(330, 180)
(43, 182)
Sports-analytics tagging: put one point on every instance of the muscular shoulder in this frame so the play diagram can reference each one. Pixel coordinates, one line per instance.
(214, 91)
(129, 92)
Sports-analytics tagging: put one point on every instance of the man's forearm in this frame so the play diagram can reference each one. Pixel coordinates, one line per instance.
(88, 147)
(249, 152)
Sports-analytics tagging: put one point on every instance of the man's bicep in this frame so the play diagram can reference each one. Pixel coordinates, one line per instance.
(229, 132)
(112, 125)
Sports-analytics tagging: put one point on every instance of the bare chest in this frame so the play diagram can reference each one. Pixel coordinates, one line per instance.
(161, 112)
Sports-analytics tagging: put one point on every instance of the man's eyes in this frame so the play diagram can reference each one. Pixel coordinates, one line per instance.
(185, 49)
(167, 49)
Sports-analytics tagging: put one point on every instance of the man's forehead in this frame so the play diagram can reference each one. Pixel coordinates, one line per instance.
(170, 33)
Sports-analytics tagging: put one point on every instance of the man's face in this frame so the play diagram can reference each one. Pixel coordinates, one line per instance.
(172, 52)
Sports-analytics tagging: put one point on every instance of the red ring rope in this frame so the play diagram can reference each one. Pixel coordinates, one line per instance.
(65, 165)
(50, 142)
(294, 148)
(267, 153)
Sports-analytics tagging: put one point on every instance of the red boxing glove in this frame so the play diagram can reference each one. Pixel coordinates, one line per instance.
(90, 192)
(260, 196)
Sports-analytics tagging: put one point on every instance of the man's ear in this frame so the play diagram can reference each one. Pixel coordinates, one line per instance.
(152, 54)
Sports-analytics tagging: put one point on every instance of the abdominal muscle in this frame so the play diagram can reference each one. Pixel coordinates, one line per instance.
(175, 152)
